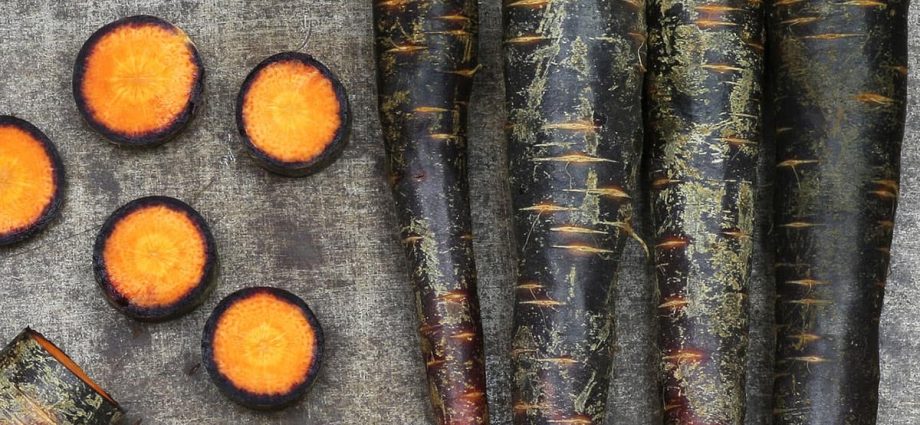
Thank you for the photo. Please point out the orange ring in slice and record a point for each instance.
(293, 114)
(154, 258)
(31, 180)
(137, 80)
(262, 347)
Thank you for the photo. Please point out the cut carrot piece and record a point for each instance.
(67, 362)
(293, 114)
(137, 80)
(31, 180)
(40, 384)
(262, 347)
(154, 258)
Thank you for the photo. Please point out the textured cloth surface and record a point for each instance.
(329, 238)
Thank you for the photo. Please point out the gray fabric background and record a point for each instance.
(328, 238)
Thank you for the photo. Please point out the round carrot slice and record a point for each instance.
(137, 80)
(262, 347)
(154, 258)
(31, 180)
(293, 114)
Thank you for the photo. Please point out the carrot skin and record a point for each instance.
(703, 103)
(39, 384)
(839, 82)
(426, 59)
(573, 81)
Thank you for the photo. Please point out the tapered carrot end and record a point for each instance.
(154, 259)
(138, 80)
(31, 180)
(293, 114)
(262, 347)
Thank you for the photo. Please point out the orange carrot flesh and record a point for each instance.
(291, 111)
(137, 79)
(155, 256)
(26, 179)
(262, 347)
(30, 179)
(264, 344)
(293, 115)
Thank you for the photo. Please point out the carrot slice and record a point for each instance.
(137, 80)
(293, 114)
(31, 180)
(262, 347)
(154, 258)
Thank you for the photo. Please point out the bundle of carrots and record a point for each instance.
(574, 72)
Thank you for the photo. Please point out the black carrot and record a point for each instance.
(839, 84)
(426, 59)
(703, 121)
(573, 84)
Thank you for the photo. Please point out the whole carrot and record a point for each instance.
(573, 84)
(426, 58)
(839, 79)
(703, 118)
